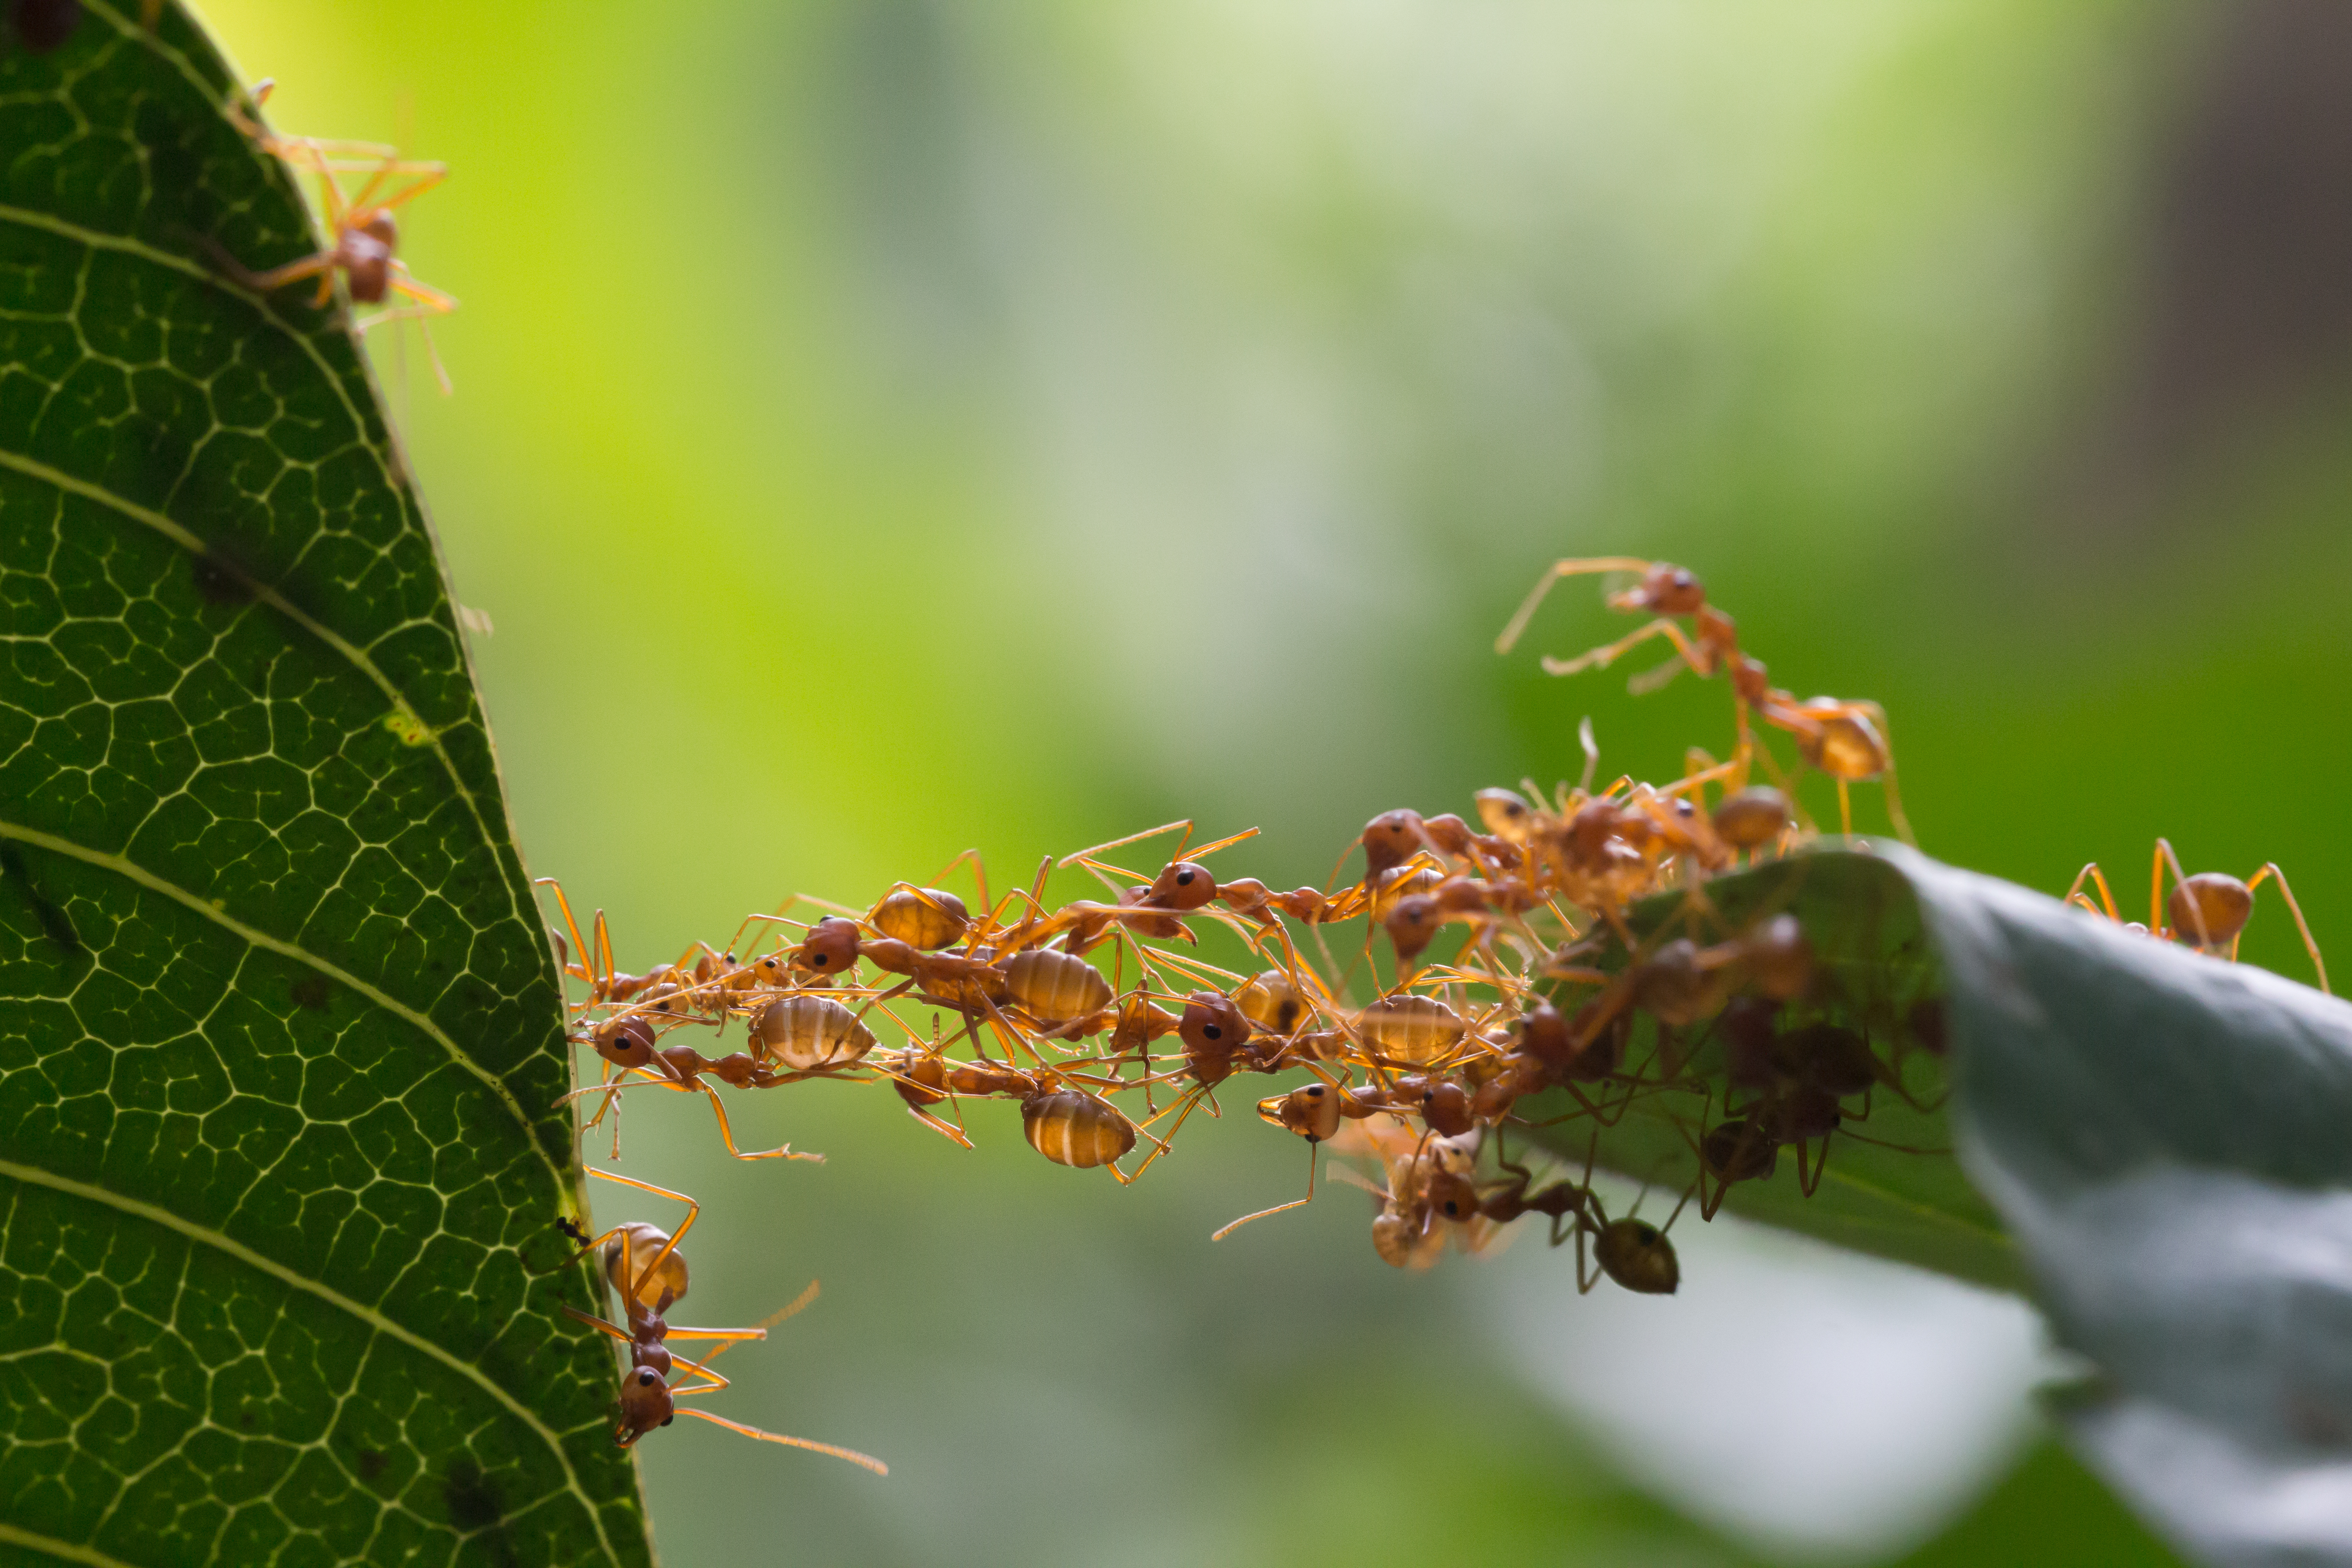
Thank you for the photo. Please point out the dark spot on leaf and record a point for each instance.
(473, 1503)
(246, 1419)
(372, 1464)
(55, 925)
(44, 25)
(312, 991)
(218, 580)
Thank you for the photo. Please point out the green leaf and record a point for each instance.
(1874, 966)
(2161, 1142)
(2165, 1135)
(280, 1037)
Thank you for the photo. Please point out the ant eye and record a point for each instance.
(667, 1419)
(1315, 1091)
(646, 1379)
(1212, 1031)
(1183, 878)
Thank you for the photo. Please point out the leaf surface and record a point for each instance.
(2163, 1146)
(280, 1038)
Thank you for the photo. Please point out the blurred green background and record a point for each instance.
(889, 427)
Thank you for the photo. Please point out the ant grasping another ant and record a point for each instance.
(645, 1268)
(2208, 911)
(366, 234)
(1847, 741)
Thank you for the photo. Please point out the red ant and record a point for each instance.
(366, 232)
(1847, 741)
(645, 1266)
(2208, 911)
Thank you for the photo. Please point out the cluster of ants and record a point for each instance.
(1101, 1021)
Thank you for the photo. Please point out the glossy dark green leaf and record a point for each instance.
(2169, 1138)
(2163, 1143)
(279, 1038)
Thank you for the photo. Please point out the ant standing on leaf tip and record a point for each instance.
(364, 228)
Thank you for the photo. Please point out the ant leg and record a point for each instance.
(432, 174)
(1601, 657)
(2099, 878)
(2165, 857)
(1074, 858)
(1220, 1235)
(1845, 810)
(319, 266)
(581, 971)
(2270, 869)
(1205, 850)
(852, 1455)
(600, 1325)
(1561, 569)
(726, 1136)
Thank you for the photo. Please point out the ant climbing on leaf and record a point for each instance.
(2208, 911)
(645, 1268)
(366, 232)
(1846, 739)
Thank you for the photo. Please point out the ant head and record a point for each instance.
(625, 1042)
(1451, 1196)
(1752, 818)
(1445, 1109)
(1311, 1110)
(382, 228)
(1182, 885)
(1212, 1024)
(831, 947)
(1389, 840)
(645, 1404)
(1670, 590)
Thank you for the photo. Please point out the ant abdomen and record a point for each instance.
(921, 917)
(1075, 1130)
(806, 1032)
(1271, 1001)
(1638, 1255)
(2210, 909)
(1054, 987)
(1410, 1029)
(1752, 818)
